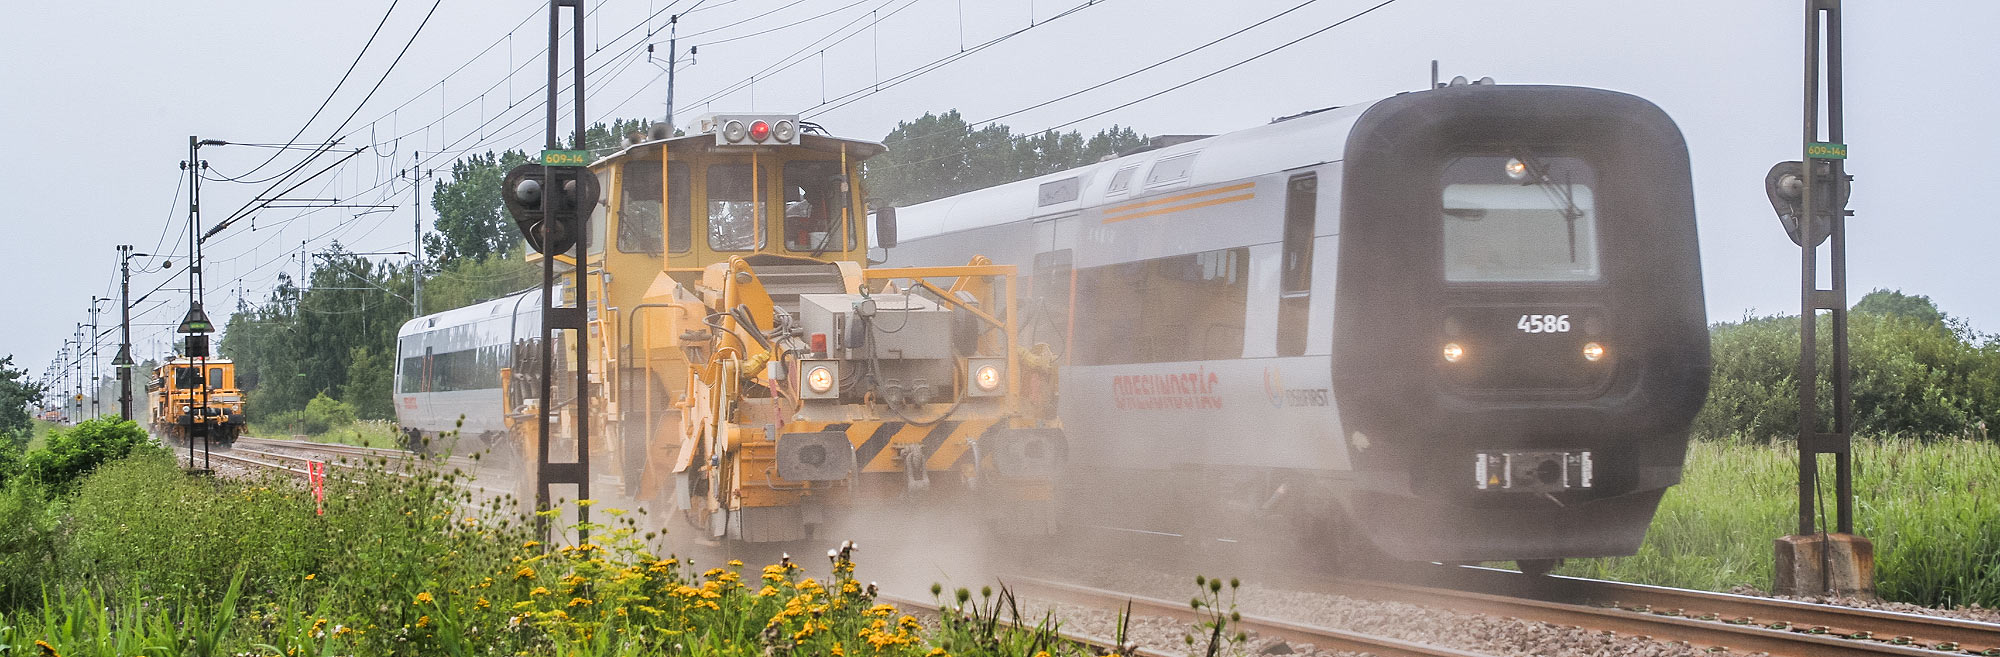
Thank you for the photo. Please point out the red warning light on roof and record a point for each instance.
(760, 130)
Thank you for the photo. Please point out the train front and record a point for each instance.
(1520, 343)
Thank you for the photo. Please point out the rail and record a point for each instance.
(1851, 623)
(1699, 630)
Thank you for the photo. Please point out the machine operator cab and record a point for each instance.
(743, 184)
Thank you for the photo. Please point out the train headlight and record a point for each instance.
(1517, 169)
(784, 131)
(1593, 352)
(760, 130)
(733, 131)
(1453, 353)
(822, 379)
(988, 377)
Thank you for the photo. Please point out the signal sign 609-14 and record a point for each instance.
(1543, 324)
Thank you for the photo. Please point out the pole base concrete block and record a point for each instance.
(1825, 565)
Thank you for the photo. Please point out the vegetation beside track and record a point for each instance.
(1932, 510)
(143, 559)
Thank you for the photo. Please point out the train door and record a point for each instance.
(1051, 291)
(1295, 266)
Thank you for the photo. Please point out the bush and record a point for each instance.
(73, 452)
(320, 415)
(1915, 372)
(27, 548)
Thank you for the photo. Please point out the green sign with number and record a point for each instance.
(566, 158)
(1821, 150)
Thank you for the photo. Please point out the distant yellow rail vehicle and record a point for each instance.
(185, 393)
(748, 368)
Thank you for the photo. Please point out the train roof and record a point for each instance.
(858, 149)
(1298, 141)
(502, 306)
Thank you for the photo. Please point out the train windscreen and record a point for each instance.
(1519, 219)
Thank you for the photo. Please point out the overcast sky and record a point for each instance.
(102, 96)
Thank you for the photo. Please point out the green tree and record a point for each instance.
(17, 391)
(1884, 302)
(939, 155)
(471, 223)
(369, 372)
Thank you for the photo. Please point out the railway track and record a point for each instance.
(1703, 620)
(245, 453)
(1324, 638)
(1937, 633)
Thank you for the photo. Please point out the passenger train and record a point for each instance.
(449, 367)
(1466, 323)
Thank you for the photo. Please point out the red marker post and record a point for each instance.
(316, 478)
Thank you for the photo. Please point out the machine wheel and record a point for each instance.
(1537, 567)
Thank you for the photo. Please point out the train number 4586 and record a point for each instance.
(1543, 324)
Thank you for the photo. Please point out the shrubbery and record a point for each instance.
(320, 415)
(1916, 372)
(73, 452)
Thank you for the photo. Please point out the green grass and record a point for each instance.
(40, 435)
(1932, 510)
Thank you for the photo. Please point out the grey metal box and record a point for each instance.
(904, 326)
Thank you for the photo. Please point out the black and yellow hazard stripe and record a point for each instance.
(945, 444)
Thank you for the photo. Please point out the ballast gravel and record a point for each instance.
(1476, 633)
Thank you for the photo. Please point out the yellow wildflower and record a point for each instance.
(524, 573)
(482, 603)
(735, 563)
(937, 652)
(47, 650)
(539, 590)
(530, 545)
(424, 598)
(310, 576)
(585, 502)
(583, 602)
(423, 621)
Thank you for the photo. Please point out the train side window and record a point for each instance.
(1295, 273)
(1170, 170)
(215, 379)
(1049, 310)
(1122, 180)
(413, 368)
(731, 226)
(1177, 308)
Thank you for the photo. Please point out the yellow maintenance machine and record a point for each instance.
(751, 371)
(185, 393)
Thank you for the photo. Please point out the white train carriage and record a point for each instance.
(448, 366)
(1466, 321)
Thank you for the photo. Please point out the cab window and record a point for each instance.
(813, 205)
(639, 208)
(732, 225)
(598, 215)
